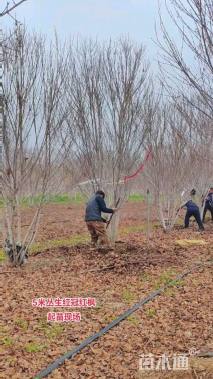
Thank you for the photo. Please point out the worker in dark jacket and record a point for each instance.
(208, 204)
(192, 210)
(95, 223)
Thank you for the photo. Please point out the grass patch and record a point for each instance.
(167, 279)
(156, 225)
(142, 228)
(22, 324)
(64, 198)
(127, 295)
(54, 331)
(176, 283)
(7, 341)
(3, 256)
(33, 347)
(53, 244)
(136, 197)
(133, 320)
(50, 331)
(145, 277)
(64, 242)
(170, 292)
(151, 312)
(132, 229)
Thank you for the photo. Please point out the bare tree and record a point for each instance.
(109, 96)
(176, 166)
(187, 67)
(186, 70)
(33, 113)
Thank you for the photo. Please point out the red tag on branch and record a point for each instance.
(141, 167)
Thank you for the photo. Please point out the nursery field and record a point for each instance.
(62, 265)
(116, 97)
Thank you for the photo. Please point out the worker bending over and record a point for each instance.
(95, 222)
(192, 209)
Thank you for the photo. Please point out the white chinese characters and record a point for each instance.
(164, 362)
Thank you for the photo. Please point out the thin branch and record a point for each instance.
(9, 8)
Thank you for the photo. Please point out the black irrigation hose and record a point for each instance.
(70, 354)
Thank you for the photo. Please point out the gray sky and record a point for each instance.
(100, 19)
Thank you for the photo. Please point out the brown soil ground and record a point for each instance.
(58, 221)
(178, 320)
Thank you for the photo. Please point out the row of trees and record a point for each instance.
(94, 109)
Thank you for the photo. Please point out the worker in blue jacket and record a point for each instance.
(94, 220)
(192, 209)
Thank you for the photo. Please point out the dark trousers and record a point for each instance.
(207, 208)
(196, 214)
